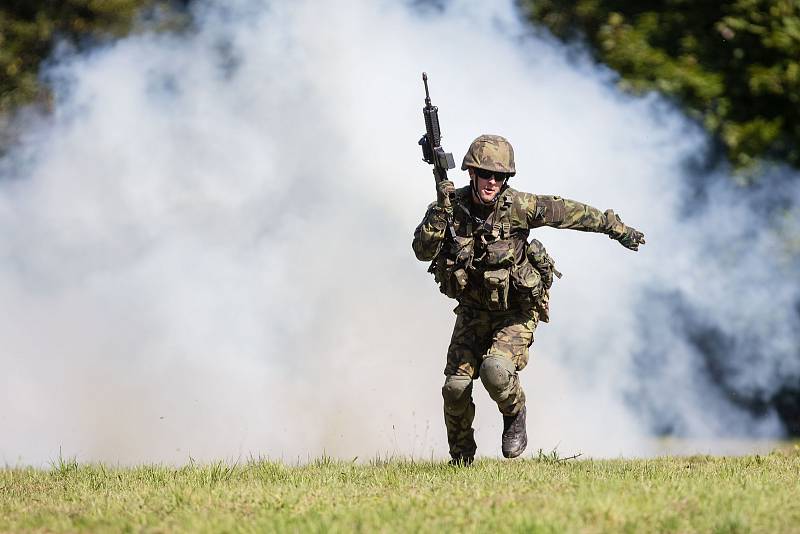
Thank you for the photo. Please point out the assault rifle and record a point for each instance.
(431, 142)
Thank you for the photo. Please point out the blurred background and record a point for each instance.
(207, 211)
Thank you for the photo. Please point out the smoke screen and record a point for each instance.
(207, 247)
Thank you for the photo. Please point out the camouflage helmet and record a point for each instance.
(490, 152)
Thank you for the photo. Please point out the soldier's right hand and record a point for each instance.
(444, 190)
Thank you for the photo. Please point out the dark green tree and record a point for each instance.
(733, 64)
(29, 29)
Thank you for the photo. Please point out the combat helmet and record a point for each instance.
(490, 152)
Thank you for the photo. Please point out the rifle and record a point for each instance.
(432, 151)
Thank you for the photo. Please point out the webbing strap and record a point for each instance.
(502, 225)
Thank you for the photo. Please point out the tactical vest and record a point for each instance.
(487, 265)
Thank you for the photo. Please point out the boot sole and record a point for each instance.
(517, 452)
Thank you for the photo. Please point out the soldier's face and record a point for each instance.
(488, 188)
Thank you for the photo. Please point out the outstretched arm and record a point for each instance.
(557, 212)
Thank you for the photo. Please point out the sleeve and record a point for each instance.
(557, 212)
(429, 234)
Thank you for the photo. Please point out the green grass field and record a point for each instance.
(672, 494)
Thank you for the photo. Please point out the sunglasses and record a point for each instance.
(484, 174)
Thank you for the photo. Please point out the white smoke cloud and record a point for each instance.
(728, 311)
(207, 249)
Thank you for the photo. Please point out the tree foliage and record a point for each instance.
(29, 29)
(734, 64)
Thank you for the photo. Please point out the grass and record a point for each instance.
(540, 494)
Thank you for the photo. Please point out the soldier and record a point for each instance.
(477, 240)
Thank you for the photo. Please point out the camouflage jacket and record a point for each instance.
(484, 262)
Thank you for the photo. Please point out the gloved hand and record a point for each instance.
(628, 237)
(444, 189)
(632, 238)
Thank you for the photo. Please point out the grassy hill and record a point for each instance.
(538, 494)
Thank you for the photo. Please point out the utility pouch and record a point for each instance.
(495, 289)
(451, 278)
(461, 249)
(542, 262)
(543, 306)
(500, 253)
(544, 265)
(527, 283)
(449, 269)
(458, 281)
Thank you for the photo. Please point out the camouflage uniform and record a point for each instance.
(481, 257)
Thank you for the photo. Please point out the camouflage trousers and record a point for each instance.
(490, 345)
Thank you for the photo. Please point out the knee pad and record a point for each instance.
(496, 374)
(456, 389)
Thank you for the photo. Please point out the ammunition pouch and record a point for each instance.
(449, 268)
(544, 265)
(542, 306)
(500, 253)
(495, 289)
(527, 283)
(542, 262)
(451, 280)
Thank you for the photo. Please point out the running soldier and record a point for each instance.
(476, 239)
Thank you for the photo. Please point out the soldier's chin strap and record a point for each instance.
(474, 184)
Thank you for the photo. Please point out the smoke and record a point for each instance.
(728, 318)
(206, 249)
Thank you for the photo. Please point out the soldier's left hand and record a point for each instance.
(632, 238)
(629, 237)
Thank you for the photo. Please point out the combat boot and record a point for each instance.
(515, 439)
